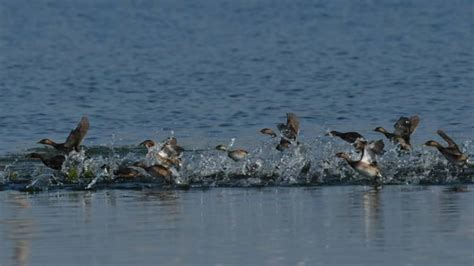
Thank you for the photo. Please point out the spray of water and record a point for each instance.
(310, 163)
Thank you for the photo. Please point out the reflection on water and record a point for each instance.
(21, 252)
(354, 225)
(373, 218)
(449, 212)
(19, 228)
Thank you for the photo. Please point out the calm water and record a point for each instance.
(209, 71)
(273, 226)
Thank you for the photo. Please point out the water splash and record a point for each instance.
(310, 163)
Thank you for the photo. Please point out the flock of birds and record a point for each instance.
(164, 160)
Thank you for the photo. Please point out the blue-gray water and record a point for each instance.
(218, 69)
(210, 71)
(271, 226)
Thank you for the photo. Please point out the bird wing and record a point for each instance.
(449, 140)
(178, 149)
(292, 127)
(452, 151)
(77, 135)
(405, 126)
(414, 122)
(367, 156)
(370, 151)
(56, 162)
(402, 127)
(377, 147)
(350, 137)
(281, 127)
(172, 151)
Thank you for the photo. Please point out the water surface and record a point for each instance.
(216, 70)
(211, 71)
(399, 225)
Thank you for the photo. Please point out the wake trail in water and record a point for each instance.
(308, 164)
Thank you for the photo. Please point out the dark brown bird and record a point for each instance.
(156, 170)
(148, 144)
(291, 129)
(283, 145)
(452, 152)
(404, 127)
(74, 139)
(127, 172)
(235, 155)
(269, 132)
(350, 137)
(55, 162)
